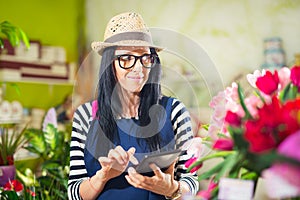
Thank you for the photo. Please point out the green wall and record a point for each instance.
(53, 22)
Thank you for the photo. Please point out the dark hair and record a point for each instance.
(107, 83)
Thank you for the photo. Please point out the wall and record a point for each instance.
(231, 31)
(55, 22)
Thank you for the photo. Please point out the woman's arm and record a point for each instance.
(182, 127)
(79, 184)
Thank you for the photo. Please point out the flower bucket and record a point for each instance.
(7, 172)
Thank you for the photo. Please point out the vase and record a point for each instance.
(7, 173)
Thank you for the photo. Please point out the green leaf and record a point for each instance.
(228, 163)
(24, 38)
(205, 126)
(257, 92)
(36, 142)
(18, 139)
(9, 195)
(259, 162)
(239, 140)
(16, 87)
(211, 172)
(249, 176)
(241, 97)
(51, 136)
(1, 44)
(11, 141)
(10, 36)
(215, 155)
(289, 92)
(14, 34)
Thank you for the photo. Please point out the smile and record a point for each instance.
(135, 77)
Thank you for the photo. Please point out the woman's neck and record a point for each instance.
(130, 104)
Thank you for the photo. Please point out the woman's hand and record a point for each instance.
(161, 183)
(116, 162)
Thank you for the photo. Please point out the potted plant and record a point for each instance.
(14, 35)
(11, 140)
(52, 147)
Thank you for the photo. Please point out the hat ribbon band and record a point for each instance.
(129, 36)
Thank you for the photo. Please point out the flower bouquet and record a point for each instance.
(257, 133)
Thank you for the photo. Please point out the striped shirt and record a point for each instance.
(82, 119)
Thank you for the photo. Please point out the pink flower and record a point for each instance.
(284, 77)
(290, 147)
(252, 78)
(217, 100)
(268, 83)
(253, 103)
(284, 173)
(50, 118)
(221, 103)
(194, 147)
(231, 93)
(213, 130)
(206, 194)
(190, 162)
(223, 144)
(295, 76)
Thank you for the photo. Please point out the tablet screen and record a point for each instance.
(162, 160)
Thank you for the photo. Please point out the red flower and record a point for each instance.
(32, 193)
(295, 76)
(223, 144)
(190, 162)
(13, 185)
(268, 83)
(233, 118)
(275, 122)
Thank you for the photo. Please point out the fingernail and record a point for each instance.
(133, 160)
(131, 170)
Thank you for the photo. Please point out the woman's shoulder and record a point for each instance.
(173, 100)
(85, 109)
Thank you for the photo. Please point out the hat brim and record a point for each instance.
(100, 46)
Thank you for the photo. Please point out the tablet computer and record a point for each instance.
(162, 160)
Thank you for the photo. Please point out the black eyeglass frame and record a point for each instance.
(118, 57)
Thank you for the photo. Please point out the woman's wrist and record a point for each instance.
(101, 177)
(176, 192)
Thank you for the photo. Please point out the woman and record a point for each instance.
(129, 119)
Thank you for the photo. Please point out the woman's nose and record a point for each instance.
(137, 66)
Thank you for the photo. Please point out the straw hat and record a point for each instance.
(125, 29)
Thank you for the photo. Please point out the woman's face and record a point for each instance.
(132, 78)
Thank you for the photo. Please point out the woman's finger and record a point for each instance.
(105, 161)
(136, 179)
(122, 153)
(114, 154)
(156, 170)
(132, 159)
(171, 169)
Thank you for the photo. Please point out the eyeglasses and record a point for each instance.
(127, 61)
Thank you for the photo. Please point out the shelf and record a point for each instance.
(37, 94)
